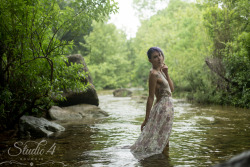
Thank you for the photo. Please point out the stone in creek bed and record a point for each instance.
(88, 96)
(241, 160)
(38, 127)
(76, 112)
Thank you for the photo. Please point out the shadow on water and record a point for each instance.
(156, 161)
(201, 136)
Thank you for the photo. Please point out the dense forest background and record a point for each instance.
(206, 47)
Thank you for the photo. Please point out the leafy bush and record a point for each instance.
(32, 52)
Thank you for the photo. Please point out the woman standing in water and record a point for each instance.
(157, 125)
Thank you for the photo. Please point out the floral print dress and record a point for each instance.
(155, 134)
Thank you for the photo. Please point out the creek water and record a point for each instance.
(201, 136)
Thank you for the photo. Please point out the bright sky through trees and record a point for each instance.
(126, 18)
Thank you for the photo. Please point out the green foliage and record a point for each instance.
(32, 52)
(190, 34)
(228, 26)
(180, 33)
(98, 9)
(146, 8)
(107, 56)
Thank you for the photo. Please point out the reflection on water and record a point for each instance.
(201, 136)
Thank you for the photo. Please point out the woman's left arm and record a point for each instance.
(170, 82)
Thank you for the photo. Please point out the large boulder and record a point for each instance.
(78, 59)
(241, 160)
(88, 96)
(122, 93)
(38, 127)
(77, 112)
(57, 113)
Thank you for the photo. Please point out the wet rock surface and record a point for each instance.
(241, 160)
(30, 126)
(77, 112)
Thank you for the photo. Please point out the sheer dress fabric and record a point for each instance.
(155, 134)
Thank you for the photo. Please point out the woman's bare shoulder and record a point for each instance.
(153, 73)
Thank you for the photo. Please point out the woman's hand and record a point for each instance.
(143, 124)
(164, 68)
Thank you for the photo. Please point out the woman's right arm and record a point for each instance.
(151, 84)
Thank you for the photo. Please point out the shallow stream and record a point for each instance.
(201, 136)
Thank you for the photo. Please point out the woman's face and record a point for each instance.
(156, 59)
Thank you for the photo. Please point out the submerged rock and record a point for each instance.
(77, 112)
(241, 160)
(122, 93)
(38, 127)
